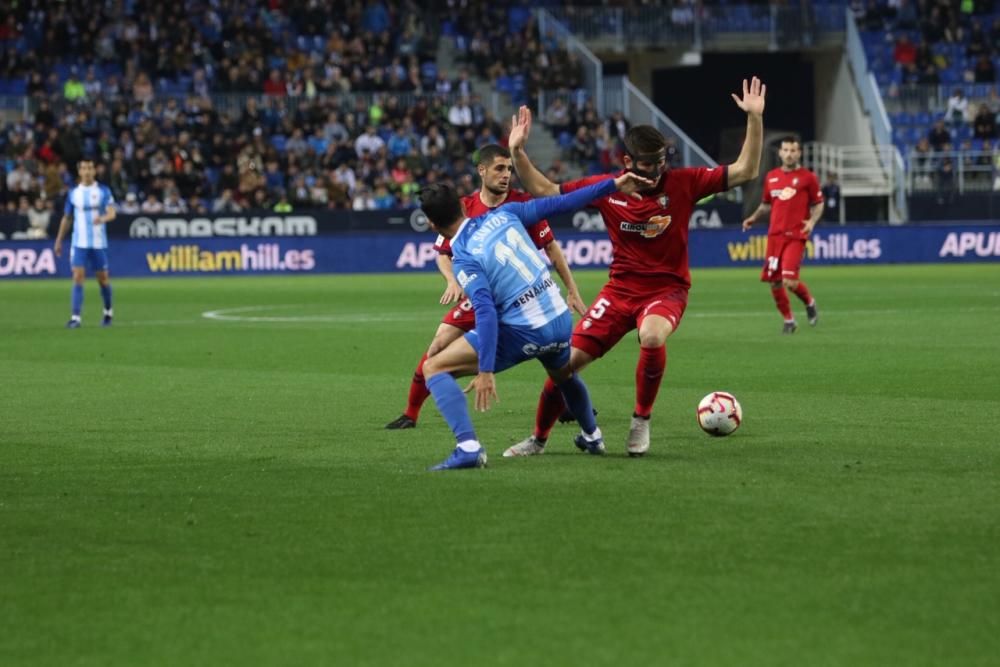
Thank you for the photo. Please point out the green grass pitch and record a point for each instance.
(182, 489)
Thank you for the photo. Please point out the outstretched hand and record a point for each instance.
(753, 97)
(485, 387)
(628, 183)
(520, 128)
(452, 293)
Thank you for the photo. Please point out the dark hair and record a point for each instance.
(490, 152)
(790, 139)
(643, 141)
(441, 204)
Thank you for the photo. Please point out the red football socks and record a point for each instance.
(781, 300)
(648, 375)
(550, 406)
(418, 391)
(803, 293)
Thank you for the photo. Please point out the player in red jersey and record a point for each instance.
(793, 197)
(649, 277)
(495, 172)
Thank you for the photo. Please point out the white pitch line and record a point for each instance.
(236, 314)
(233, 315)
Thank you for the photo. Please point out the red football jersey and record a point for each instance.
(649, 236)
(540, 232)
(790, 194)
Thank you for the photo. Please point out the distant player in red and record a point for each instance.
(649, 274)
(495, 172)
(793, 197)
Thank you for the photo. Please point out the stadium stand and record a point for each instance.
(218, 106)
(936, 66)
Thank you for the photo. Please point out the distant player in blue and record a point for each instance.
(520, 313)
(89, 207)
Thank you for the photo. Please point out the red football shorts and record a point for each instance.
(784, 258)
(462, 316)
(619, 309)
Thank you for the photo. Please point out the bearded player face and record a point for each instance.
(496, 175)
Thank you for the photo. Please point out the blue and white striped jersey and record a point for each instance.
(500, 271)
(84, 203)
(495, 248)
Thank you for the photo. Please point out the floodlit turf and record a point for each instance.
(179, 490)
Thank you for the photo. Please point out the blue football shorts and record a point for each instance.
(95, 259)
(549, 344)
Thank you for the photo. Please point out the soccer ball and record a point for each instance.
(719, 413)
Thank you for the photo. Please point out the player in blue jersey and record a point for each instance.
(89, 207)
(520, 313)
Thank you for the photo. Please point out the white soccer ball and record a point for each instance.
(719, 413)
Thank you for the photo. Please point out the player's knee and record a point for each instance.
(431, 368)
(790, 283)
(578, 360)
(653, 338)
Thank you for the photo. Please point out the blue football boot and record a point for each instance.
(462, 459)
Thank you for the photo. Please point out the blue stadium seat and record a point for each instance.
(517, 18)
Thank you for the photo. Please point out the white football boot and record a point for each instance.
(530, 446)
(638, 437)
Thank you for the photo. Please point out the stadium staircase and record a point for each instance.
(542, 146)
(862, 171)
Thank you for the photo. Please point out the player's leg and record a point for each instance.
(771, 273)
(77, 260)
(791, 264)
(572, 392)
(577, 397)
(604, 325)
(443, 337)
(104, 280)
(440, 371)
(657, 321)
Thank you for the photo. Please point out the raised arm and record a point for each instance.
(533, 180)
(747, 165)
(532, 211)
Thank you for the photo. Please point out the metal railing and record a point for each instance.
(235, 103)
(621, 95)
(679, 25)
(933, 98)
(593, 69)
(871, 101)
(861, 171)
(953, 171)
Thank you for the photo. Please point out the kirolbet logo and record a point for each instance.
(262, 257)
